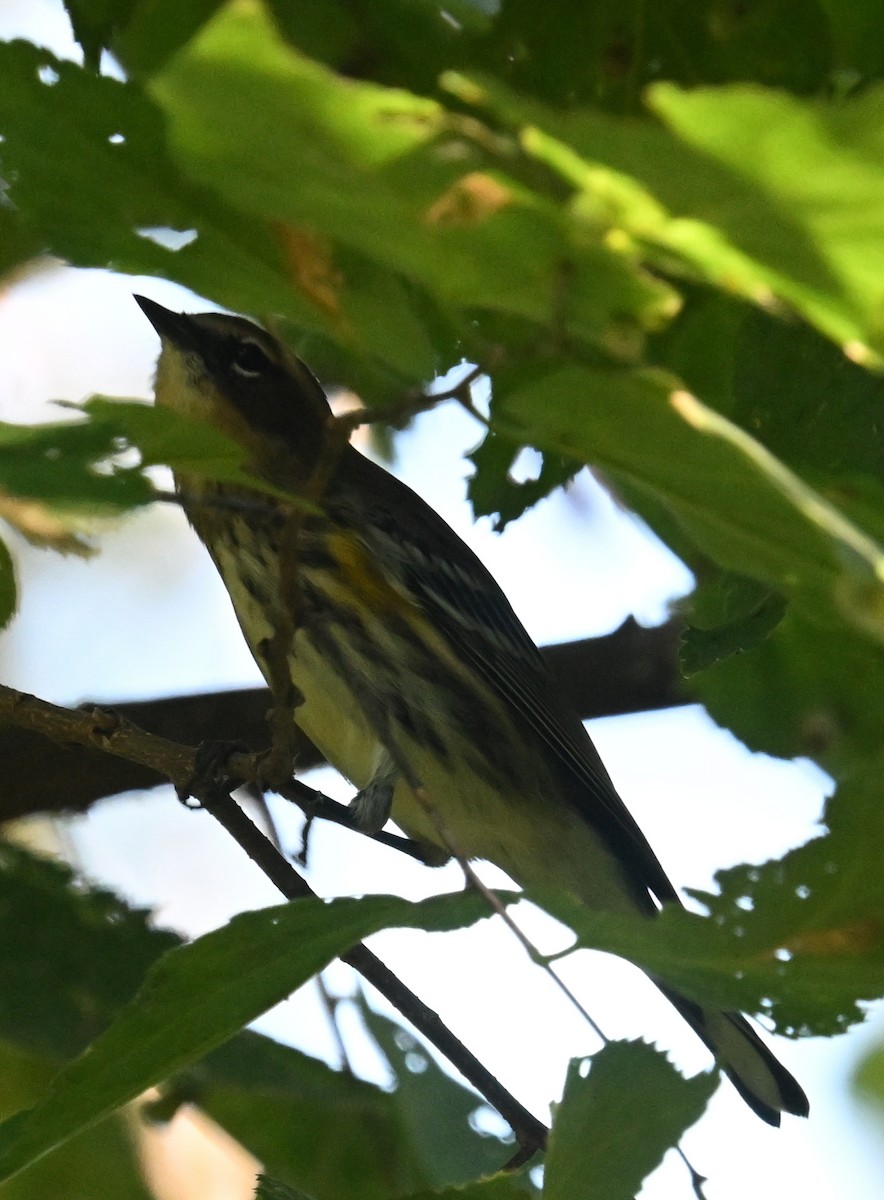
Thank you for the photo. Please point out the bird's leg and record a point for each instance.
(278, 763)
(372, 805)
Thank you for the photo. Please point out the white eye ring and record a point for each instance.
(249, 360)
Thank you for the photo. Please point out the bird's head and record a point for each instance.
(233, 375)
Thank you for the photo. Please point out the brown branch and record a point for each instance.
(631, 670)
(634, 669)
(399, 413)
(112, 734)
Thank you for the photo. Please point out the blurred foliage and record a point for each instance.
(868, 1080)
(659, 230)
(100, 1162)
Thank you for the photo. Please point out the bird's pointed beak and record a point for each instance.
(177, 328)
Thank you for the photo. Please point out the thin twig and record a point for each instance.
(697, 1180)
(326, 999)
(494, 903)
(316, 804)
(330, 1007)
(401, 411)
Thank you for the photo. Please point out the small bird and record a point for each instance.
(414, 676)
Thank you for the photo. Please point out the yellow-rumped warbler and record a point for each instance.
(418, 682)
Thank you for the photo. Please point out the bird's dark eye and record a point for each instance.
(249, 359)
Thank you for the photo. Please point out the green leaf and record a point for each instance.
(377, 175)
(164, 437)
(757, 193)
(856, 35)
(508, 1185)
(740, 505)
(338, 131)
(700, 347)
(808, 403)
(153, 32)
(193, 448)
(804, 691)
(615, 1124)
(253, 962)
(69, 465)
(93, 21)
(728, 614)
(868, 1077)
(332, 1135)
(275, 1189)
(435, 1110)
(8, 586)
(70, 955)
(100, 1163)
(798, 940)
(18, 244)
(406, 43)
(88, 169)
(493, 490)
(818, 167)
(313, 1128)
(75, 465)
(608, 52)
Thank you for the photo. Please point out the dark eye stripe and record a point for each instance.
(249, 359)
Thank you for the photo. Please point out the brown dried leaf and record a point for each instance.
(309, 260)
(44, 526)
(860, 937)
(468, 201)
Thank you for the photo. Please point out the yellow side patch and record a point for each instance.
(365, 578)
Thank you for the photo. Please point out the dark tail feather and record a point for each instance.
(762, 1081)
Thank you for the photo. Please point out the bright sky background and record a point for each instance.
(149, 617)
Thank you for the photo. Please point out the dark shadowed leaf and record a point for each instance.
(494, 491)
(804, 690)
(254, 962)
(8, 587)
(437, 1112)
(70, 956)
(515, 1185)
(274, 1189)
(808, 403)
(727, 614)
(615, 1123)
(313, 1127)
(796, 940)
(101, 1163)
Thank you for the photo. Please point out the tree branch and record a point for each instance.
(631, 670)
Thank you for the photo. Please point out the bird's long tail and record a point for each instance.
(762, 1081)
